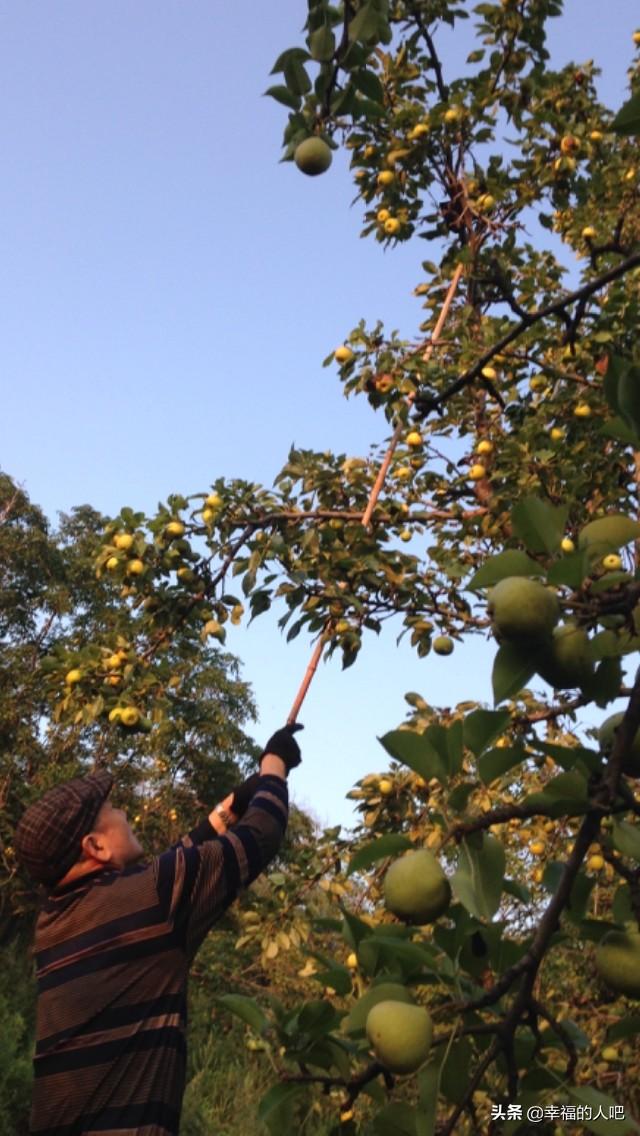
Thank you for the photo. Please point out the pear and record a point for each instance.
(523, 610)
(565, 662)
(416, 889)
(400, 1035)
(356, 1019)
(313, 156)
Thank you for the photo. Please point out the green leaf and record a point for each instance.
(416, 751)
(397, 1119)
(245, 1008)
(367, 24)
(539, 525)
(567, 792)
(568, 756)
(482, 727)
(621, 908)
(608, 534)
(626, 839)
(276, 1107)
(629, 397)
(428, 1092)
(570, 570)
(604, 686)
(610, 381)
(627, 120)
(477, 881)
(628, 1027)
(322, 44)
(499, 761)
(283, 95)
(389, 845)
(598, 1101)
(513, 666)
(296, 77)
(370, 85)
(509, 563)
(291, 53)
(318, 1018)
(455, 1071)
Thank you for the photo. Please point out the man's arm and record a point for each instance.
(198, 878)
(222, 816)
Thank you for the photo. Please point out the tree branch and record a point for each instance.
(558, 307)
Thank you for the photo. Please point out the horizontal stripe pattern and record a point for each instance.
(112, 957)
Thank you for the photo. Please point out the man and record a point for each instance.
(115, 938)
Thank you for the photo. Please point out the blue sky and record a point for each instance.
(171, 290)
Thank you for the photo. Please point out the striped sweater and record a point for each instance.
(113, 952)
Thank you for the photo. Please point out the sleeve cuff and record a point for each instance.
(203, 832)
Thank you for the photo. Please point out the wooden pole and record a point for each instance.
(373, 497)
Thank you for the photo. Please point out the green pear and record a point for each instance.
(416, 889)
(313, 156)
(356, 1019)
(565, 661)
(522, 610)
(400, 1035)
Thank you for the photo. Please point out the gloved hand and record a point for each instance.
(242, 795)
(284, 745)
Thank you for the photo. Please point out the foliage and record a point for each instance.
(514, 456)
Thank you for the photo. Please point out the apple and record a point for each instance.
(73, 676)
(343, 354)
(392, 226)
(135, 567)
(484, 447)
(386, 178)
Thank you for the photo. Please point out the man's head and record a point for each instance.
(74, 826)
(111, 841)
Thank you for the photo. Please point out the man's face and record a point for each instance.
(117, 843)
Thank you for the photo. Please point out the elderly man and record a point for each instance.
(116, 935)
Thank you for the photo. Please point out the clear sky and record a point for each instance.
(170, 291)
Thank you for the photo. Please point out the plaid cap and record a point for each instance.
(48, 839)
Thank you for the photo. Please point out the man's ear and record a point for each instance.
(94, 847)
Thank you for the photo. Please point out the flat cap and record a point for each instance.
(48, 839)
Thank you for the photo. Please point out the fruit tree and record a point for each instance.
(488, 902)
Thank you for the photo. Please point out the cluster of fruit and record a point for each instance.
(400, 1032)
(525, 612)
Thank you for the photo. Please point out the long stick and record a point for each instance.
(373, 497)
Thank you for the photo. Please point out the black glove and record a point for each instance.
(242, 795)
(284, 745)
